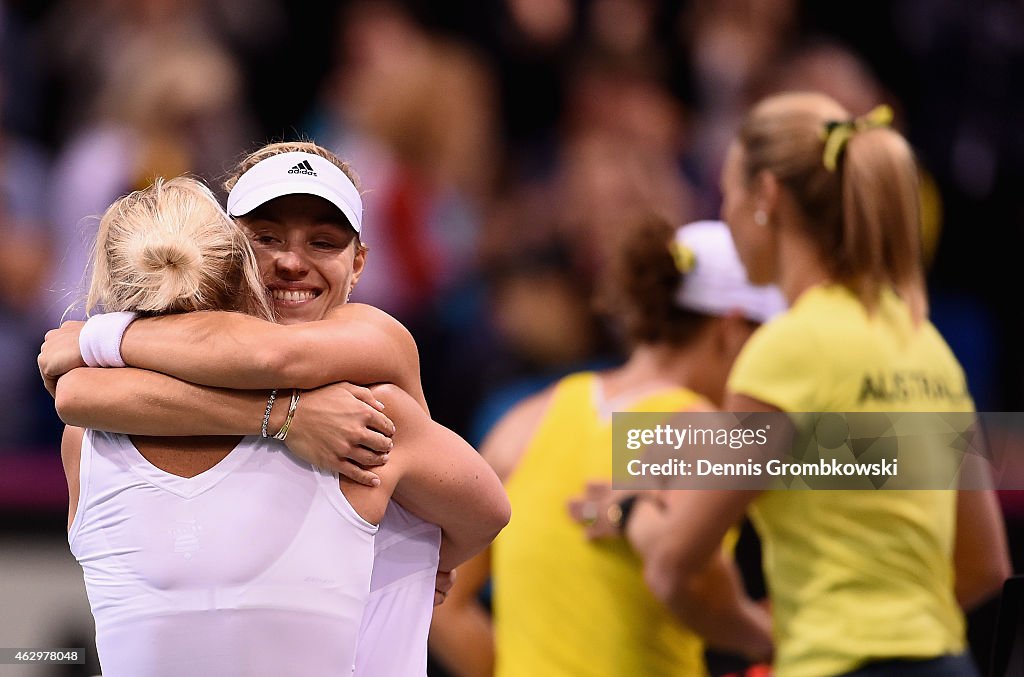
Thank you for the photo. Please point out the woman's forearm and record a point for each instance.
(357, 343)
(680, 543)
(712, 603)
(335, 428)
(444, 480)
(140, 402)
(981, 555)
(461, 633)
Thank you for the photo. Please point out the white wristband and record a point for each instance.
(100, 339)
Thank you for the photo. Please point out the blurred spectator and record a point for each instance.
(88, 42)
(624, 27)
(620, 154)
(606, 181)
(533, 42)
(825, 67)
(171, 106)
(730, 41)
(551, 234)
(24, 264)
(415, 115)
(526, 317)
(624, 97)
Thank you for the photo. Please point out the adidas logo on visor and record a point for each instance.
(303, 168)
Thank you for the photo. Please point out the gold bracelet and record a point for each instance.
(292, 406)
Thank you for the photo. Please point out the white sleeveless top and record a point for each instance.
(396, 622)
(257, 566)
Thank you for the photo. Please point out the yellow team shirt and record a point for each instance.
(855, 576)
(564, 605)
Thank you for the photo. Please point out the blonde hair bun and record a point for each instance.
(168, 267)
(171, 248)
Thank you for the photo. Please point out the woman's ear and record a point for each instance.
(766, 193)
(359, 262)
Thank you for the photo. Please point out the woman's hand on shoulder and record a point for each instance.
(342, 427)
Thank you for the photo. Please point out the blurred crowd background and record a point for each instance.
(501, 145)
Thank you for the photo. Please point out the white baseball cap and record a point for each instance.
(714, 279)
(296, 173)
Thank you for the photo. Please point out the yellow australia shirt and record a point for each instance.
(564, 606)
(855, 576)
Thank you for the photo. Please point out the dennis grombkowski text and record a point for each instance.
(774, 468)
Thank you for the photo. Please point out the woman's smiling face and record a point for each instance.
(308, 253)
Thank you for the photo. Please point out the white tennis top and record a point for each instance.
(257, 566)
(393, 636)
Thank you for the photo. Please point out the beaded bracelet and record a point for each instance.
(266, 414)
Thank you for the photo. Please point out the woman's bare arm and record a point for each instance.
(440, 478)
(140, 402)
(335, 427)
(355, 343)
(679, 540)
(686, 569)
(461, 632)
(981, 556)
(71, 456)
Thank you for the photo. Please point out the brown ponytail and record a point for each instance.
(863, 217)
(640, 289)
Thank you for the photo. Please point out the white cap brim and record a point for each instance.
(278, 176)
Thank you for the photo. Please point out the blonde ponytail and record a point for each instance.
(881, 218)
(859, 197)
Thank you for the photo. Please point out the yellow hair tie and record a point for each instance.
(683, 256)
(837, 134)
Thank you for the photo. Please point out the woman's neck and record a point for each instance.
(799, 266)
(653, 366)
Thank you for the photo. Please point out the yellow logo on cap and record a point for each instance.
(684, 257)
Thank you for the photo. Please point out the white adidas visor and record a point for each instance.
(717, 284)
(296, 174)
